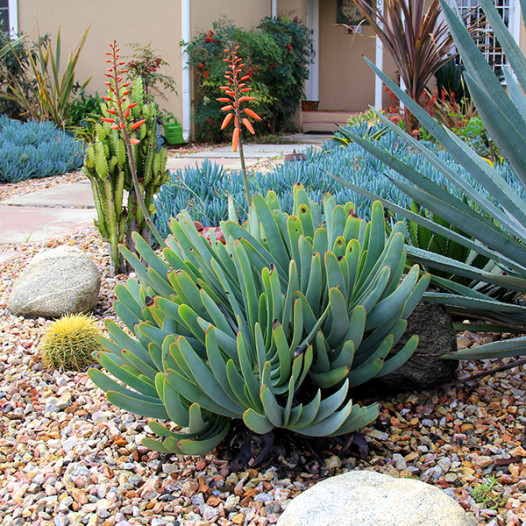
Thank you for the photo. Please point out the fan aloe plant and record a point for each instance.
(273, 327)
(495, 226)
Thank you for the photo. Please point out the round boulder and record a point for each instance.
(367, 498)
(60, 281)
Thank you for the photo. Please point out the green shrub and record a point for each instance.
(15, 62)
(274, 327)
(277, 52)
(36, 149)
(36, 83)
(70, 342)
(85, 111)
(145, 63)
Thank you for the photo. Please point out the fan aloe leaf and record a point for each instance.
(260, 328)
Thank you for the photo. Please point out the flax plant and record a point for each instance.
(51, 91)
(417, 40)
(236, 92)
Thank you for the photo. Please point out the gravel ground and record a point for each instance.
(68, 457)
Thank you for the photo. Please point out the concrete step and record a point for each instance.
(324, 121)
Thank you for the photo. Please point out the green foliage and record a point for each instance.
(274, 327)
(486, 494)
(277, 53)
(42, 91)
(367, 117)
(84, 106)
(449, 79)
(106, 165)
(473, 132)
(85, 112)
(495, 228)
(36, 149)
(70, 342)
(14, 61)
(145, 63)
(421, 237)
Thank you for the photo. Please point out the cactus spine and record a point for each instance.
(69, 343)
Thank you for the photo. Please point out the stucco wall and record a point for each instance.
(293, 9)
(244, 13)
(157, 22)
(346, 82)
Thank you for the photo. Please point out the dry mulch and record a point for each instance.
(69, 457)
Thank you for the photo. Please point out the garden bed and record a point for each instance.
(68, 457)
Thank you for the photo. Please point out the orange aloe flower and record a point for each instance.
(117, 99)
(235, 90)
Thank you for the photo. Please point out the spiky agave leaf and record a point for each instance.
(502, 238)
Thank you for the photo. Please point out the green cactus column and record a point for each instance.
(107, 166)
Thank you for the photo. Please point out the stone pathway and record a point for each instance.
(52, 212)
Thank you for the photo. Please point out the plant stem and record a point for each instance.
(244, 170)
(138, 193)
(131, 159)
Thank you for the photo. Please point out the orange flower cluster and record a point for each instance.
(118, 101)
(236, 91)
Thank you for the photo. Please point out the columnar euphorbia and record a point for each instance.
(120, 105)
(236, 92)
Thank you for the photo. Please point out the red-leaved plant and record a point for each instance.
(120, 105)
(236, 92)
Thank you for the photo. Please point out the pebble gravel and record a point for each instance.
(68, 457)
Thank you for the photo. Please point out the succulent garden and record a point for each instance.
(218, 341)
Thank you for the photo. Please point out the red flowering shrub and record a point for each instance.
(278, 51)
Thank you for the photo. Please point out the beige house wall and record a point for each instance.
(346, 83)
(293, 9)
(244, 13)
(157, 22)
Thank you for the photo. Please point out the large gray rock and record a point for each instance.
(367, 498)
(434, 327)
(59, 281)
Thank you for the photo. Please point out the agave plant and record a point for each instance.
(273, 327)
(495, 226)
(421, 237)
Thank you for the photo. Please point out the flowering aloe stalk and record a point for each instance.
(120, 105)
(236, 92)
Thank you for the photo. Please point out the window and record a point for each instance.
(489, 45)
(4, 15)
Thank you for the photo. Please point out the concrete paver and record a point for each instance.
(251, 151)
(74, 195)
(53, 212)
(180, 163)
(26, 224)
